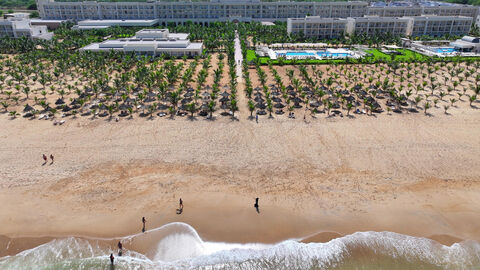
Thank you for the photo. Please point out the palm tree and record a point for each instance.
(445, 107)
(270, 109)
(472, 99)
(233, 107)
(26, 90)
(251, 108)
(452, 101)
(417, 100)
(349, 107)
(174, 99)
(426, 106)
(13, 114)
(110, 110)
(211, 108)
(192, 108)
(5, 105)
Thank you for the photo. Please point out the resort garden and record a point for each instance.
(53, 80)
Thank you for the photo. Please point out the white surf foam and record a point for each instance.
(180, 247)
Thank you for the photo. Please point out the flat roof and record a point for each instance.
(461, 44)
(46, 21)
(87, 27)
(96, 47)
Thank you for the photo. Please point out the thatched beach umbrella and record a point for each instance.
(28, 108)
(59, 102)
(279, 105)
(224, 99)
(65, 108)
(149, 99)
(162, 106)
(261, 106)
(225, 94)
(259, 99)
(124, 106)
(276, 99)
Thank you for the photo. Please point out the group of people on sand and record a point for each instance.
(45, 159)
(179, 211)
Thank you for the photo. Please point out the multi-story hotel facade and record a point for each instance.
(199, 12)
(325, 28)
(242, 10)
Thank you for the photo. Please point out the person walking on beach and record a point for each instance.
(51, 157)
(143, 221)
(256, 118)
(256, 205)
(180, 207)
(120, 248)
(111, 258)
(44, 159)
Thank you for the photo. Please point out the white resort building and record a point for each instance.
(198, 12)
(242, 10)
(152, 42)
(325, 28)
(18, 25)
(467, 44)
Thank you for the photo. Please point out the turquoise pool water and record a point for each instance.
(298, 54)
(445, 50)
(319, 53)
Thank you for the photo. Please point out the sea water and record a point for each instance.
(178, 246)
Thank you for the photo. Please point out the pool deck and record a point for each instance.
(430, 51)
(313, 54)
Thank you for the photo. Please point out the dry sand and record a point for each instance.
(407, 173)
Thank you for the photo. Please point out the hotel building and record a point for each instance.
(18, 25)
(325, 28)
(199, 12)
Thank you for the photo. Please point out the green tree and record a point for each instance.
(251, 108)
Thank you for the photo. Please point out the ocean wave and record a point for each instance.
(178, 246)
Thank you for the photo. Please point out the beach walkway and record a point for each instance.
(238, 57)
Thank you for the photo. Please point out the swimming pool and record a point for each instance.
(322, 54)
(445, 50)
(296, 54)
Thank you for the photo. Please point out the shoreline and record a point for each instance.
(406, 174)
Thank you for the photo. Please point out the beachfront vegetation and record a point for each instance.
(407, 83)
(52, 78)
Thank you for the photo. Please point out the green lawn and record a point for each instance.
(376, 56)
(407, 55)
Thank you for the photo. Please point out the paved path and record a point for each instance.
(238, 57)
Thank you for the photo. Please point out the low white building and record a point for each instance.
(20, 26)
(151, 42)
(101, 24)
(467, 44)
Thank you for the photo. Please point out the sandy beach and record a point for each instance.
(406, 173)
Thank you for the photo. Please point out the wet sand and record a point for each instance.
(408, 173)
